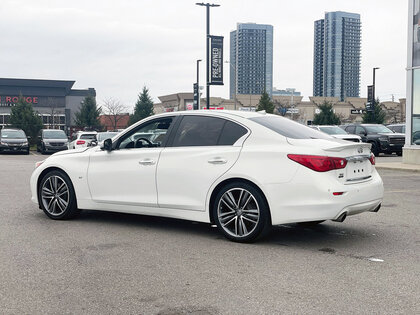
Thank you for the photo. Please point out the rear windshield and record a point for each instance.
(88, 136)
(13, 134)
(333, 130)
(54, 134)
(289, 128)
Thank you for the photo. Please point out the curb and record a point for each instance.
(397, 168)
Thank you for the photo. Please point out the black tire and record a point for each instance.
(244, 217)
(375, 148)
(399, 153)
(310, 223)
(27, 152)
(70, 210)
(43, 150)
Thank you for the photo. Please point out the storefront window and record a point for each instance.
(416, 107)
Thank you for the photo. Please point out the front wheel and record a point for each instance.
(241, 212)
(56, 196)
(399, 153)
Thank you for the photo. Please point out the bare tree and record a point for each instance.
(114, 111)
(54, 113)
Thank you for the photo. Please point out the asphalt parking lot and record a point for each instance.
(102, 263)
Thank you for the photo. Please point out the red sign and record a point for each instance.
(14, 99)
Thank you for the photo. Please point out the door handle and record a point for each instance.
(147, 162)
(217, 160)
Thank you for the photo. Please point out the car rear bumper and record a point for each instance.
(50, 148)
(316, 202)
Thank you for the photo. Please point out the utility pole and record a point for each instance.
(207, 5)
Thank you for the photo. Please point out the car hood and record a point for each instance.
(55, 140)
(392, 135)
(7, 140)
(73, 151)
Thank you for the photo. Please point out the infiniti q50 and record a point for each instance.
(242, 171)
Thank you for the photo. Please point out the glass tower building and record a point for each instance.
(251, 59)
(337, 55)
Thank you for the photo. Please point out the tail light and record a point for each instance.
(319, 163)
(78, 142)
(372, 159)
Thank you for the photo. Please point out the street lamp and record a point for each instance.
(198, 82)
(236, 81)
(207, 5)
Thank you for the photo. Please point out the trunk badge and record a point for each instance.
(360, 150)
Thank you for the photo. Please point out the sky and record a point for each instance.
(117, 47)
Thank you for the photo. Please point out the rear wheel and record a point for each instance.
(56, 196)
(399, 153)
(241, 212)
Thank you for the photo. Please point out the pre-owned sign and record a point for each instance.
(216, 60)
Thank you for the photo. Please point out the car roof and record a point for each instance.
(52, 130)
(225, 113)
(12, 129)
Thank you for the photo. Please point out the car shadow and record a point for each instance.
(328, 234)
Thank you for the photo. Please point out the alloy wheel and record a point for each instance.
(238, 212)
(55, 195)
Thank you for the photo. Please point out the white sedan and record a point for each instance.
(243, 171)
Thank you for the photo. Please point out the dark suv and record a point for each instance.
(383, 140)
(51, 140)
(13, 140)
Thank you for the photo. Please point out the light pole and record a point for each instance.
(207, 5)
(198, 82)
(236, 82)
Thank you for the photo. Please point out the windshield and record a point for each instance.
(54, 134)
(13, 134)
(289, 128)
(88, 136)
(333, 130)
(378, 129)
(106, 135)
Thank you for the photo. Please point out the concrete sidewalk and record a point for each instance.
(398, 166)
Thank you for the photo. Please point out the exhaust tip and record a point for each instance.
(377, 208)
(341, 218)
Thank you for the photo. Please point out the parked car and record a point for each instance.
(82, 139)
(244, 171)
(101, 136)
(398, 128)
(13, 140)
(337, 132)
(383, 140)
(51, 140)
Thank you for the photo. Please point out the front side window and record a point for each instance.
(378, 129)
(148, 135)
(360, 130)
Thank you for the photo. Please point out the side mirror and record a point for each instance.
(107, 145)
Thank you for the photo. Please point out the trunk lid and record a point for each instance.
(358, 168)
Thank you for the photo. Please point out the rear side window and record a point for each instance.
(231, 133)
(198, 131)
(289, 128)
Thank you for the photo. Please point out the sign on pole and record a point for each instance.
(370, 100)
(216, 60)
(196, 96)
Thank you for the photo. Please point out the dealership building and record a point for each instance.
(54, 100)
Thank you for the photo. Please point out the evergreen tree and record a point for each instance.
(143, 107)
(23, 116)
(265, 103)
(88, 114)
(375, 117)
(326, 116)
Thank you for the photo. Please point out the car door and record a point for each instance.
(201, 150)
(127, 174)
(360, 131)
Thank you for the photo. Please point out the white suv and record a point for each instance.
(81, 139)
